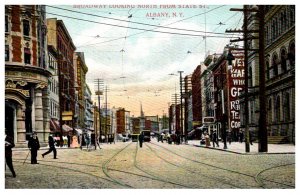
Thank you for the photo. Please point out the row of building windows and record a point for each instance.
(54, 107)
(25, 24)
(277, 65)
(282, 21)
(275, 106)
(53, 86)
(53, 63)
(27, 54)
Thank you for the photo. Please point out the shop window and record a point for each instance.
(27, 55)
(26, 27)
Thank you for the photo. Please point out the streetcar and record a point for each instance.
(135, 137)
(147, 135)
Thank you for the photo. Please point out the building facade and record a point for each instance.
(80, 78)
(58, 36)
(53, 90)
(280, 73)
(26, 73)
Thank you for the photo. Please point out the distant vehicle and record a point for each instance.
(147, 137)
(124, 138)
(135, 137)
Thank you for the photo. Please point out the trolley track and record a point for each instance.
(70, 169)
(151, 176)
(154, 176)
(192, 171)
(105, 170)
(260, 180)
(255, 177)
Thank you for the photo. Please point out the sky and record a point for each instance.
(140, 67)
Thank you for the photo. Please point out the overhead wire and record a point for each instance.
(158, 26)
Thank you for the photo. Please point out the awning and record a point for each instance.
(54, 125)
(66, 128)
(79, 131)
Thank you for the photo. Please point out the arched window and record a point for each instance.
(283, 57)
(291, 54)
(26, 28)
(275, 64)
(277, 109)
(286, 107)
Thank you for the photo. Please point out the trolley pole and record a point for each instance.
(181, 112)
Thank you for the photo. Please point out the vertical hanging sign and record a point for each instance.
(236, 76)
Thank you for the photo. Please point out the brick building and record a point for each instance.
(58, 36)
(26, 73)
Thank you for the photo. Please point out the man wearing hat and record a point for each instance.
(34, 146)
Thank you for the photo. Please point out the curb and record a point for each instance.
(241, 153)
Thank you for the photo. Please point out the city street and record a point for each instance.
(155, 165)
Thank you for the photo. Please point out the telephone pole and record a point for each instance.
(98, 83)
(181, 112)
(262, 132)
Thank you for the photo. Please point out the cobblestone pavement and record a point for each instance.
(155, 165)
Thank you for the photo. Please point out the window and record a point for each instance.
(277, 109)
(6, 53)
(275, 64)
(283, 60)
(291, 54)
(286, 107)
(27, 55)
(6, 23)
(26, 27)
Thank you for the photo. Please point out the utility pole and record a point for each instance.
(246, 49)
(181, 112)
(263, 133)
(106, 138)
(98, 82)
(247, 145)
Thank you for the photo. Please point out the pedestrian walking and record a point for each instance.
(141, 139)
(34, 146)
(241, 136)
(215, 138)
(207, 141)
(229, 137)
(250, 137)
(51, 142)
(9, 144)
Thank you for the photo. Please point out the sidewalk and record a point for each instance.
(239, 148)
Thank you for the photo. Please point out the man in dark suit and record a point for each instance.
(51, 142)
(9, 144)
(34, 146)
